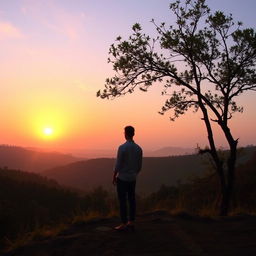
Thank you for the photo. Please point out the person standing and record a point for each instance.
(128, 165)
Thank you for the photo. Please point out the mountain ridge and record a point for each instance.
(156, 171)
(15, 157)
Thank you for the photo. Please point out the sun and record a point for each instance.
(48, 131)
(49, 125)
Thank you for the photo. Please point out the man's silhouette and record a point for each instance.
(128, 165)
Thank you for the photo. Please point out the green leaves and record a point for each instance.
(136, 27)
(221, 22)
(180, 102)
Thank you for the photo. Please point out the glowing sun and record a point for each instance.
(48, 131)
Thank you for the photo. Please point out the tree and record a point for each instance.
(219, 65)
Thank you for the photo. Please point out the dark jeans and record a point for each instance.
(126, 190)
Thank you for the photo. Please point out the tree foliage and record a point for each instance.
(219, 57)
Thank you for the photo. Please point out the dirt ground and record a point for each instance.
(156, 233)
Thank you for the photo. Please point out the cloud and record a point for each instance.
(7, 30)
(24, 10)
(66, 27)
(68, 24)
(85, 86)
(55, 17)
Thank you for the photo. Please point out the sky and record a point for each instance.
(53, 60)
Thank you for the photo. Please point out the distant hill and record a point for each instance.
(111, 153)
(94, 153)
(156, 171)
(170, 151)
(31, 160)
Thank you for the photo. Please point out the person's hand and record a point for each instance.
(114, 180)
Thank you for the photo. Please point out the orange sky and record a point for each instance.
(54, 59)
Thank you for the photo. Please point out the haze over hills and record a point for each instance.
(37, 160)
(156, 171)
(170, 151)
(29, 160)
(110, 153)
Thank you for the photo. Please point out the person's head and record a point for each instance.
(129, 132)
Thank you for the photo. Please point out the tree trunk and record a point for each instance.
(226, 198)
(225, 203)
(227, 191)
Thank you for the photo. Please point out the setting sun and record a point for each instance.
(48, 123)
(48, 131)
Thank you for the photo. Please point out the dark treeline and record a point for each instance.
(201, 195)
(29, 202)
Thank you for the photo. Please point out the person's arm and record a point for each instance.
(140, 161)
(117, 165)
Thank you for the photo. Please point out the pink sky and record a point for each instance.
(54, 59)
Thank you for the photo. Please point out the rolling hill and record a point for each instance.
(31, 160)
(110, 153)
(156, 171)
(170, 151)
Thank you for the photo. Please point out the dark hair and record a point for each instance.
(129, 130)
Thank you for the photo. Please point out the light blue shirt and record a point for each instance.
(129, 161)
